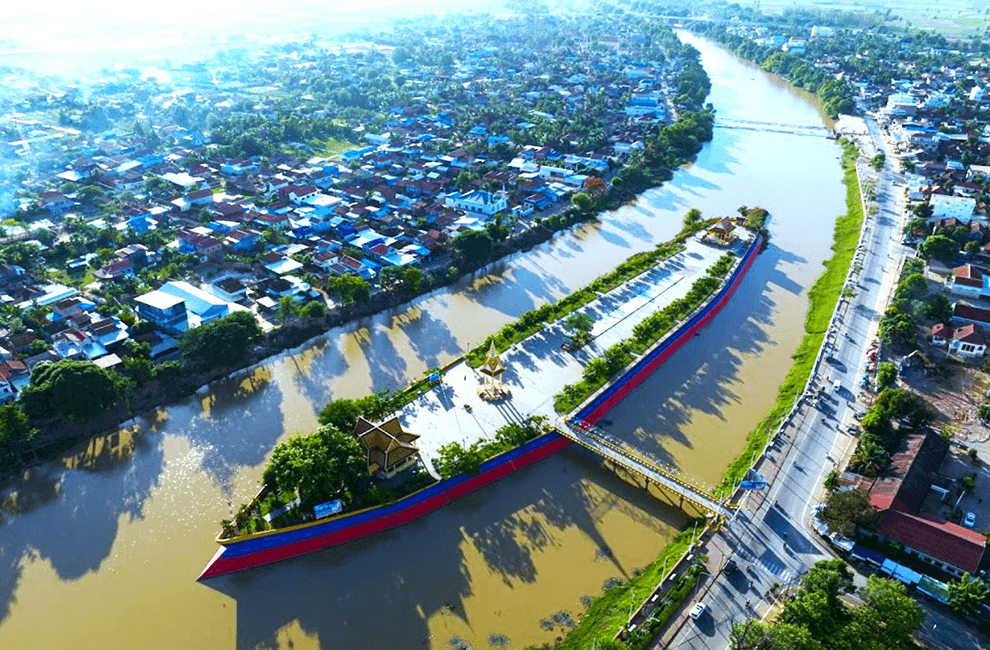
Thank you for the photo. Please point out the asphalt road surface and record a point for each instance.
(771, 537)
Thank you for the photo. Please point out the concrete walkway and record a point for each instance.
(538, 367)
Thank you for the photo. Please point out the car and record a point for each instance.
(730, 566)
(970, 520)
(865, 381)
(697, 611)
(836, 385)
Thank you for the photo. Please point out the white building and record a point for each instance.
(958, 207)
(478, 202)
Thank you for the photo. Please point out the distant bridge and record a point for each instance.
(775, 127)
(621, 455)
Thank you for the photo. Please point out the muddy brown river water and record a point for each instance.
(100, 550)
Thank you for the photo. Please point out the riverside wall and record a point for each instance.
(247, 551)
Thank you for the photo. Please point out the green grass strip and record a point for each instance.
(610, 611)
(824, 295)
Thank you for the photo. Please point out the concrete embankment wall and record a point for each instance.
(262, 548)
(271, 546)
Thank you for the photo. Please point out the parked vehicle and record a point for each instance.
(970, 520)
(836, 386)
(697, 611)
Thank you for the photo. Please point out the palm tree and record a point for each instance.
(870, 458)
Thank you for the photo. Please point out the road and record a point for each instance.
(770, 538)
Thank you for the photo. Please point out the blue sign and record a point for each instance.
(327, 509)
(753, 481)
(434, 378)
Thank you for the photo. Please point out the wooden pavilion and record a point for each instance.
(388, 448)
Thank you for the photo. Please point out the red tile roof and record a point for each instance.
(941, 540)
(968, 312)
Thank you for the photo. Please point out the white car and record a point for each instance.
(970, 520)
(697, 611)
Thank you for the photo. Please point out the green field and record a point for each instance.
(954, 18)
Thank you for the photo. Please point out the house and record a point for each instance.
(963, 313)
(968, 280)
(166, 311)
(968, 341)
(945, 206)
(938, 334)
(387, 447)
(205, 247)
(477, 201)
(899, 494)
(203, 306)
(229, 289)
(15, 374)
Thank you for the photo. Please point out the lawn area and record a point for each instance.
(610, 611)
(332, 147)
(824, 295)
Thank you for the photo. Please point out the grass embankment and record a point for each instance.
(823, 297)
(610, 611)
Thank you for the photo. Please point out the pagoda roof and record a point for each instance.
(386, 444)
(493, 365)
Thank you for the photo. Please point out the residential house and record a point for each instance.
(899, 494)
(166, 311)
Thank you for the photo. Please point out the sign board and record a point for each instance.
(434, 378)
(327, 509)
(753, 481)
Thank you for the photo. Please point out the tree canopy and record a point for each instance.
(968, 594)
(474, 247)
(77, 390)
(223, 342)
(323, 465)
(816, 619)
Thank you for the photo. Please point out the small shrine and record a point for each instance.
(723, 231)
(493, 368)
(387, 446)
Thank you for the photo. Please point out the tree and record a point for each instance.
(967, 595)
(581, 201)
(474, 247)
(313, 309)
(848, 510)
(77, 390)
(938, 247)
(340, 413)
(350, 288)
(15, 434)
(287, 309)
(692, 217)
(886, 375)
(223, 342)
(870, 458)
(579, 325)
(323, 465)
(888, 619)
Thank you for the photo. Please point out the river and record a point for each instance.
(101, 549)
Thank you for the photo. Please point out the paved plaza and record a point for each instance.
(538, 367)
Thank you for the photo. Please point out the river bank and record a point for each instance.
(520, 558)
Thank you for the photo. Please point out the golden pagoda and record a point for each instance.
(493, 368)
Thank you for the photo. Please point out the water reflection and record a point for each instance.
(505, 537)
(82, 502)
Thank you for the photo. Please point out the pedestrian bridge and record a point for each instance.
(817, 131)
(621, 455)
